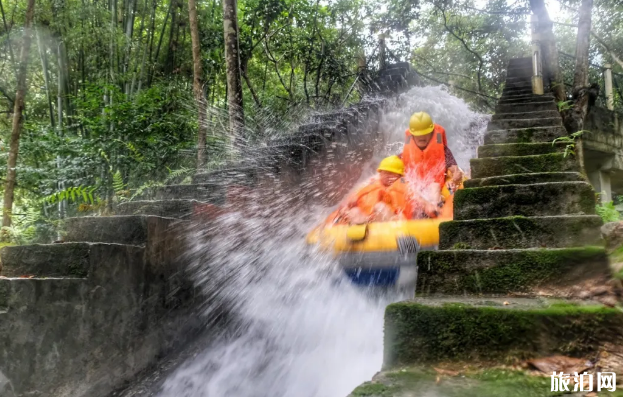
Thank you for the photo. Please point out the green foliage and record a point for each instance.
(564, 105)
(608, 212)
(75, 194)
(570, 141)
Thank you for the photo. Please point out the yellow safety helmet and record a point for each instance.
(392, 164)
(421, 124)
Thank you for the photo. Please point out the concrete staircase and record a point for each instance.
(524, 246)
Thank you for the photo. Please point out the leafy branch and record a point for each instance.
(570, 141)
(83, 194)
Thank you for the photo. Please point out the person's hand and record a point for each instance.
(431, 210)
(457, 176)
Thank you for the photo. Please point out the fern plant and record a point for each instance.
(563, 105)
(608, 212)
(570, 141)
(80, 194)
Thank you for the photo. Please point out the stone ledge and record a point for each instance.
(525, 179)
(511, 165)
(519, 149)
(513, 271)
(524, 135)
(46, 260)
(432, 330)
(525, 107)
(119, 229)
(181, 209)
(210, 193)
(524, 123)
(541, 199)
(522, 232)
(529, 97)
(515, 114)
(472, 380)
(23, 293)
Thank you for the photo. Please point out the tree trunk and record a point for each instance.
(9, 187)
(169, 65)
(550, 52)
(582, 45)
(129, 30)
(232, 61)
(583, 95)
(149, 44)
(198, 84)
(46, 76)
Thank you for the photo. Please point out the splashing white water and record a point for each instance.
(300, 328)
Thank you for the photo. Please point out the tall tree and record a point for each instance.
(18, 119)
(583, 95)
(582, 45)
(232, 61)
(198, 84)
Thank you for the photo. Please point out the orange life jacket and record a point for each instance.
(397, 197)
(428, 164)
(368, 196)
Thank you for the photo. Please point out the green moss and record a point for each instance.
(617, 254)
(529, 200)
(518, 149)
(461, 246)
(412, 381)
(502, 271)
(510, 165)
(370, 389)
(77, 270)
(525, 135)
(416, 332)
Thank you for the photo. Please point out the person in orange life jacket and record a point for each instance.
(427, 158)
(383, 199)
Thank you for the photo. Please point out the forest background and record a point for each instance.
(103, 89)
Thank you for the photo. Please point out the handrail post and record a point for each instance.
(608, 84)
(537, 68)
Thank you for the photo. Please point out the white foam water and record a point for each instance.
(300, 329)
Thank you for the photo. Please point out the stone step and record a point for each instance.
(526, 115)
(522, 232)
(525, 179)
(520, 62)
(524, 135)
(46, 260)
(519, 149)
(518, 90)
(473, 381)
(95, 261)
(458, 328)
(524, 98)
(540, 199)
(517, 107)
(181, 209)
(525, 123)
(518, 82)
(521, 71)
(120, 229)
(55, 294)
(552, 271)
(210, 193)
(510, 165)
